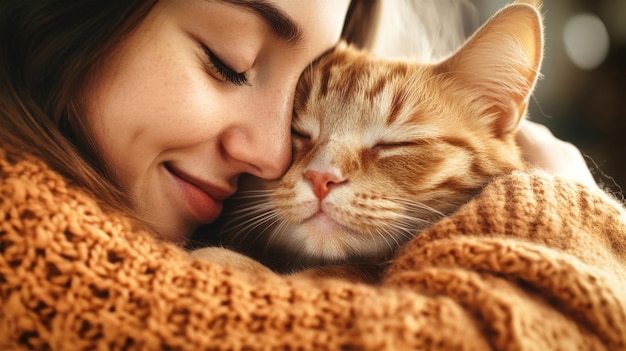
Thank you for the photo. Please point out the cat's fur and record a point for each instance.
(383, 149)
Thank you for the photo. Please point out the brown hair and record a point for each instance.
(49, 52)
(361, 23)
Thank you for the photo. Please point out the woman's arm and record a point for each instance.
(506, 271)
(537, 261)
(544, 151)
(73, 277)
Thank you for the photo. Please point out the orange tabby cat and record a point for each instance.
(383, 149)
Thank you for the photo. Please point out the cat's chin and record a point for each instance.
(323, 224)
(324, 240)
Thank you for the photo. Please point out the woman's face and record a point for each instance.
(200, 93)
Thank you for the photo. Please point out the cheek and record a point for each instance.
(411, 171)
(137, 117)
(157, 106)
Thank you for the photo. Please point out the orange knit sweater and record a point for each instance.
(532, 263)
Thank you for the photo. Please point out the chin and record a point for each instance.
(177, 234)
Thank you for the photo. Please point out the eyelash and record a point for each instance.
(298, 134)
(224, 71)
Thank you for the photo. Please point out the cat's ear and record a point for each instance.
(499, 65)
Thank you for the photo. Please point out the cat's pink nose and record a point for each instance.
(322, 182)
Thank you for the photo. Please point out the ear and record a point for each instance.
(499, 65)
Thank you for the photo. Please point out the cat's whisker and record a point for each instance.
(268, 223)
(406, 228)
(249, 224)
(279, 230)
(413, 219)
(384, 233)
(444, 202)
(249, 209)
(413, 205)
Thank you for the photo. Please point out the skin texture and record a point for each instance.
(175, 131)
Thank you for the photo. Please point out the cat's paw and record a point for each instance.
(230, 259)
(363, 272)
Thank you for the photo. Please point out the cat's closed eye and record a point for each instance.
(382, 146)
(297, 133)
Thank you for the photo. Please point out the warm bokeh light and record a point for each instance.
(586, 41)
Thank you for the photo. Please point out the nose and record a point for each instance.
(323, 182)
(261, 141)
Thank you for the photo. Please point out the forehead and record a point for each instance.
(351, 79)
(297, 22)
(350, 92)
(280, 23)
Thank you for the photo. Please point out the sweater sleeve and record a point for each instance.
(73, 277)
(538, 262)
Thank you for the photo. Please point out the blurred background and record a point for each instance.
(582, 96)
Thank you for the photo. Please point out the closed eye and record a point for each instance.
(300, 134)
(393, 145)
(224, 72)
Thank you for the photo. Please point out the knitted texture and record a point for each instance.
(532, 263)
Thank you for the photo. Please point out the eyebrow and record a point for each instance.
(280, 24)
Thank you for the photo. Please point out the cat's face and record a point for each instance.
(383, 149)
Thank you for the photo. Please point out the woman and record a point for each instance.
(129, 121)
(223, 74)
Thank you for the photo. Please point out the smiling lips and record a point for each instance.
(203, 199)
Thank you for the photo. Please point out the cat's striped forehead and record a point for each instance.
(350, 90)
(347, 73)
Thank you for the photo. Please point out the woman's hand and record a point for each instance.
(544, 151)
